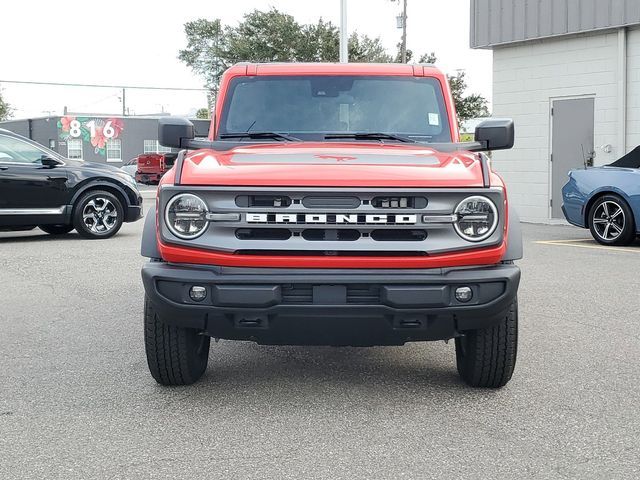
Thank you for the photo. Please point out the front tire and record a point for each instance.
(98, 215)
(56, 229)
(175, 355)
(487, 357)
(611, 221)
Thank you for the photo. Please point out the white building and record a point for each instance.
(568, 73)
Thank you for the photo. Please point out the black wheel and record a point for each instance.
(56, 229)
(98, 214)
(611, 221)
(176, 356)
(487, 357)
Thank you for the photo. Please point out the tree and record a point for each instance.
(274, 36)
(203, 113)
(467, 106)
(270, 36)
(470, 106)
(205, 52)
(6, 111)
(428, 58)
(320, 42)
(367, 50)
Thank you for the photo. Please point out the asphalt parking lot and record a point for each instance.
(77, 401)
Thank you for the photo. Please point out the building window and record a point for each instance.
(74, 148)
(114, 150)
(153, 146)
(150, 146)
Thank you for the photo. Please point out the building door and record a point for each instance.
(572, 143)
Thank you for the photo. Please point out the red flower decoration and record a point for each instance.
(66, 123)
(98, 140)
(118, 126)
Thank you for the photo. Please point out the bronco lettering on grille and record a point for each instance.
(331, 218)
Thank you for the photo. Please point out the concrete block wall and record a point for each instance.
(527, 77)
(633, 88)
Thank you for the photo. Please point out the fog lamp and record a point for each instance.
(197, 293)
(464, 294)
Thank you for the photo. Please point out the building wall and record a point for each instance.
(633, 88)
(527, 76)
(54, 133)
(21, 127)
(499, 22)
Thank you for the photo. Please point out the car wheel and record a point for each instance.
(56, 229)
(98, 214)
(175, 355)
(487, 357)
(611, 221)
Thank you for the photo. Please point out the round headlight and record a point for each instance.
(477, 218)
(186, 216)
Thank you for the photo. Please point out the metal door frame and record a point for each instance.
(550, 149)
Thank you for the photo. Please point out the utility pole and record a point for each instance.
(344, 38)
(124, 109)
(403, 48)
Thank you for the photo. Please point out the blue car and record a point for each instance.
(606, 200)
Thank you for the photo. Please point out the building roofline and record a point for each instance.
(94, 115)
(491, 46)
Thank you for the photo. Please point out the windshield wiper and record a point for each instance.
(370, 136)
(260, 135)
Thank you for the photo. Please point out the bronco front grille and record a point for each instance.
(331, 221)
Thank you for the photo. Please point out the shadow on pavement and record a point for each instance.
(36, 235)
(285, 374)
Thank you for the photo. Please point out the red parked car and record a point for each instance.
(332, 204)
(152, 166)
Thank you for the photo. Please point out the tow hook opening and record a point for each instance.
(409, 322)
(251, 321)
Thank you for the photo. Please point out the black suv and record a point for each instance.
(38, 187)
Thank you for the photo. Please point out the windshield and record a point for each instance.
(310, 107)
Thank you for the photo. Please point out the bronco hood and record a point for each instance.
(335, 164)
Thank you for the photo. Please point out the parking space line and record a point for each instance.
(578, 244)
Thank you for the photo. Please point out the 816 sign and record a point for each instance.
(75, 129)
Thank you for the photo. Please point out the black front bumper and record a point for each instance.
(330, 307)
(133, 213)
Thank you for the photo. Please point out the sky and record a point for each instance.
(136, 42)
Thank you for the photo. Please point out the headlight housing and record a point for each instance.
(186, 216)
(477, 218)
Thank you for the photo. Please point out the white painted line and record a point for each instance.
(576, 243)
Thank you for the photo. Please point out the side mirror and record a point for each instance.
(496, 134)
(49, 162)
(175, 132)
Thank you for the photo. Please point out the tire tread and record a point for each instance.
(169, 353)
(488, 357)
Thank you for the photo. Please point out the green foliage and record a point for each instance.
(6, 111)
(320, 42)
(206, 50)
(469, 106)
(428, 58)
(367, 50)
(270, 36)
(274, 36)
(203, 113)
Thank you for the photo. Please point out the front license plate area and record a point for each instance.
(329, 294)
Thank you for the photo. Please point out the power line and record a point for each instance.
(138, 87)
